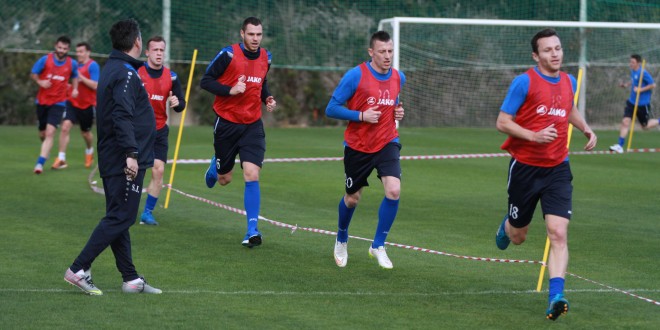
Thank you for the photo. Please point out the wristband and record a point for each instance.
(133, 155)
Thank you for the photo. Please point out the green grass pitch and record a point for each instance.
(210, 281)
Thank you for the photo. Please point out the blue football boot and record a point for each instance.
(148, 219)
(501, 239)
(558, 306)
(211, 174)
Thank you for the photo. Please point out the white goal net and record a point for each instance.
(458, 70)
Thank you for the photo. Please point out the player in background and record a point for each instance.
(52, 73)
(163, 87)
(126, 131)
(237, 78)
(368, 97)
(81, 109)
(535, 115)
(643, 106)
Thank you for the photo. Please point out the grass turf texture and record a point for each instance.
(210, 281)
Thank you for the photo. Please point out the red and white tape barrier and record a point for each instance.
(421, 157)
(404, 246)
(96, 189)
(332, 233)
(655, 302)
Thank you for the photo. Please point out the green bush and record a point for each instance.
(17, 90)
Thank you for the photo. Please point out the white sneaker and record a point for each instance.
(82, 281)
(381, 256)
(341, 253)
(616, 148)
(38, 169)
(139, 285)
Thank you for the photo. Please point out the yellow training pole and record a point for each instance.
(632, 120)
(539, 284)
(178, 138)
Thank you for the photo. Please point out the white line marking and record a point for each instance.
(338, 293)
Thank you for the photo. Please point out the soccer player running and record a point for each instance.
(52, 73)
(643, 106)
(81, 109)
(368, 97)
(237, 78)
(536, 114)
(162, 86)
(126, 131)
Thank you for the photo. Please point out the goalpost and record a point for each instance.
(458, 70)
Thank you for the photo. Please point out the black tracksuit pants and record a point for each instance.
(122, 200)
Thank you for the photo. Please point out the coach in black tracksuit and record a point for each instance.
(126, 131)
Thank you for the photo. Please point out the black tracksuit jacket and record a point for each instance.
(125, 120)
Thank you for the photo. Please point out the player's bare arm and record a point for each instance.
(398, 111)
(507, 125)
(271, 104)
(74, 83)
(88, 82)
(174, 101)
(238, 88)
(576, 119)
(41, 83)
(371, 115)
(644, 89)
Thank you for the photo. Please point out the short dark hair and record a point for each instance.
(637, 57)
(155, 39)
(84, 44)
(540, 35)
(380, 36)
(250, 20)
(124, 33)
(64, 40)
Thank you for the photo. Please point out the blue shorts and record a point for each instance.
(49, 114)
(83, 116)
(161, 144)
(359, 165)
(248, 141)
(530, 184)
(643, 112)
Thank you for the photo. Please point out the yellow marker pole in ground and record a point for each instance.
(539, 285)
(632, 120)
(178, 138)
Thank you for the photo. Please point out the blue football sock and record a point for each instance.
(252, 200)
(345, 216)
(41, 160)
(151, 203)
(622, 141)
(386, 215)
(556, 287)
